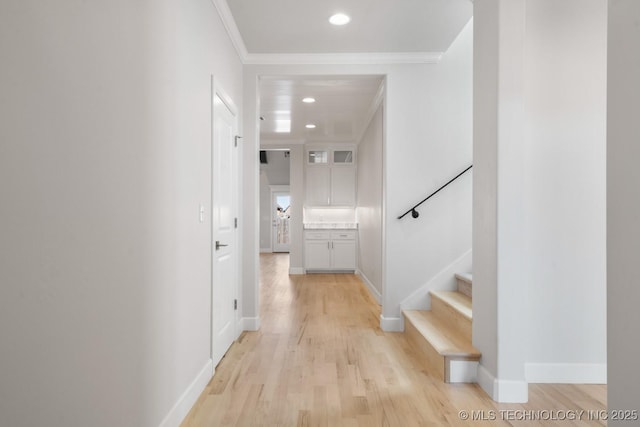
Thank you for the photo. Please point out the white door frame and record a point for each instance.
(217, 90)
(276, 189)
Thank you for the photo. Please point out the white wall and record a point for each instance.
(277, 168)
(265, 213)
(623, 210)
(499, 328)
(565, 189)
(485, 174)
(428, 140)
(539, 196)
(296, 261)
(104, 160)
(369, 206)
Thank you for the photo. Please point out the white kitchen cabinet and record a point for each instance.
(318, 188)
(343, 186)
(330, 250)
(330, 177)
(317, 254)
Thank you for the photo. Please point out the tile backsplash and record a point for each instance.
(329, 215)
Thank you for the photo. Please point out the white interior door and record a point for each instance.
(225, 251)
(280, 219)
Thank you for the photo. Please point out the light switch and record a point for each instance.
(201, 213)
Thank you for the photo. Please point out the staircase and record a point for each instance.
(443, 334)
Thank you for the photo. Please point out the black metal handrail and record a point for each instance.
(414, 213)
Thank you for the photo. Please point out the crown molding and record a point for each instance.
(232, 29)
(343, 58)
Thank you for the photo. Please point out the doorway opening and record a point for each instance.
(281, 219)
(276, 212)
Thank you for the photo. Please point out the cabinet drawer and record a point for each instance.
(343, 235)
(317, 235)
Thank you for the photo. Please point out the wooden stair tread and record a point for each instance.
(444, 338)
(457, 300)
(465, 277)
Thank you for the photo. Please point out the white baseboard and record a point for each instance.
(374, 292)
(443, 281)
(296, 270)
(250, 323)
(504, 391)
(186, 401)
(463, 371)
(566, 373)
(265, 250)
(486, 380)
(391, 324)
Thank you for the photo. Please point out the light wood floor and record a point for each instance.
(320, 359)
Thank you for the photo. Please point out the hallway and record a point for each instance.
(320, 359)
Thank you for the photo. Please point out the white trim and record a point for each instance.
(463, 371)
(566, 373)
(511, 391)
(391, 324)
(504, 391)
(189, 397)
(280, 144)
(225, 97)
(372, 289)
(250, 323)
(343, 58)
(420, 299)
(486, 380)
(296, 270)
(265, 250)
(232, 29)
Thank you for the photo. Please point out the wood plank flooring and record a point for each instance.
(321, 360)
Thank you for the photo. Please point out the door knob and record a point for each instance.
(219, 245)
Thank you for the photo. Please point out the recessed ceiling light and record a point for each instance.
(310, 126)
(339, 19)
(308, 100)
(283, 126)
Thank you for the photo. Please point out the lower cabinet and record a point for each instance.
(330, 250)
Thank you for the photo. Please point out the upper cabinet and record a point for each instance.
(318, 186)
(318, 157)
(343, 157)
(330, 176)
(343, 187)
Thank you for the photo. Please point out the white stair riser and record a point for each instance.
(464, 287)
(462, 371)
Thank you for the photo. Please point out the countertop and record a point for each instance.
(330, 226)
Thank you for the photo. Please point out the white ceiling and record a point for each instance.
(342, 106)
(301, 26)
(277, 31)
